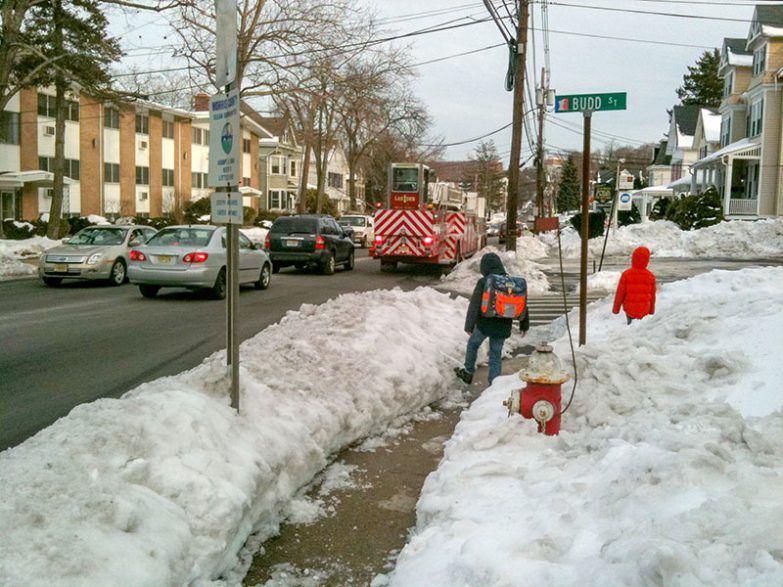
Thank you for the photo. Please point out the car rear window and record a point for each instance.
(293, 225)
(353, 221)
(190, 237)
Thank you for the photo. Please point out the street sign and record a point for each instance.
(227, 208)
(226, 42)
(603, 194)
(624, 201)
(626, 181)
(225, 138)
(591, 102)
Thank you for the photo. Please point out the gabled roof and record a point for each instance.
(686, 117)
(767, 21)
(659, 155)
(710, 123)
(734, 53)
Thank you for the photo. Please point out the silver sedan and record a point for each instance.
(194, 257)
(95, 252)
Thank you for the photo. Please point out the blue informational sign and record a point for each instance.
(225, 136)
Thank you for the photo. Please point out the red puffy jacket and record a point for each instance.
(636, 290)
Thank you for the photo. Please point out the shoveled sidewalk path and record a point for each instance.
(371, 522)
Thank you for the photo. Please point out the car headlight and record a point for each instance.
(94, 258)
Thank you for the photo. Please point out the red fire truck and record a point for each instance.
(424, 222)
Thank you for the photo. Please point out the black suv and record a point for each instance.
(309, 239)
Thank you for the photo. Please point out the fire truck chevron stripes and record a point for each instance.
(413, 222)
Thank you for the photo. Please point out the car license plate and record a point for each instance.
(61, 268)
(165, 259)
(292, 243)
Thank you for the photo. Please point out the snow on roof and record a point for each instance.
(711, 121)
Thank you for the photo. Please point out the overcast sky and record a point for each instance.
(625, 48)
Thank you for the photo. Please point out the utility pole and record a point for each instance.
(516, 130)
(541, 97)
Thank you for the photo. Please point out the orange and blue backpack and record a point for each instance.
(504, 296)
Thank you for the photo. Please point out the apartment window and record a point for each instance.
(142, 175)
(9, 127)
(47, 107)
(756, 116)
(728, 82)
(200, 136)
(277, 165)
(111, 118)
(71, 168)
(246, 181)
(168, 129)
(335, 180)
(276, 198)
(725, 131)
(293, 168)
(142, 124)
(168, 178)
(199, 180)
(111, 172)
(759, 60)
(245, 145)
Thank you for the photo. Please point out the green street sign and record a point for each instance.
(591, 102)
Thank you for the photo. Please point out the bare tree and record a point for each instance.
(172, 89)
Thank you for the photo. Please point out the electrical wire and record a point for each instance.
(568, 324)
(652, 13)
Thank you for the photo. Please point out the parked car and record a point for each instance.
(363, 227)
(493, 228)
(194, 257)
(502, 232)
(95, 252)
(309, 240)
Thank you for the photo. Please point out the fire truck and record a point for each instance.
(424, 222)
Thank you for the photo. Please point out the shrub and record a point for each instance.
(195, 209)
(658, 211)
(696, 211)
(22, 231)
(595, 223)
(626, 217)
(75, 224)
(248, 216)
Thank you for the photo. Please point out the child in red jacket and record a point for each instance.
(636, 290)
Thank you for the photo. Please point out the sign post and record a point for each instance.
(224, 161)
(587, 104)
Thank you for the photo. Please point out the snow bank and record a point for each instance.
(668, 469)
(163, 486)
(12, 252)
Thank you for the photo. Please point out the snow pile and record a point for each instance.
(163, 486)
(736, 239)
(13, 252)
(462, 279)
(668, 469)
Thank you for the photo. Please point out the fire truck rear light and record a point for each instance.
(195, 257)
(428, 240)
(378, 239)
(319, 243)
(137, 256)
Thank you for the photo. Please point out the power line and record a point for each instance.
(652, 13)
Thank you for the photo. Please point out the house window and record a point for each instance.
(725, 131)
(759, 60)
(111, 118)
(168, 129)
(728, 82)
(46, 107)
(276, 199)
(756, 116)
(245, 145)
(199, 180)
(142, 124)
(277, 165)
(200, 136)
(168, 178)
(111, 172)
(293, 168)
(9, 127)
(142, 175)
(335, 180)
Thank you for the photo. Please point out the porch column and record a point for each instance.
(727, 184)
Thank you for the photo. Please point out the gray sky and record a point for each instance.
(625, 49)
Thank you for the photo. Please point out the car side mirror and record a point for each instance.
(66, 241)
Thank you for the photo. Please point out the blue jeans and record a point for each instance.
(495, 351)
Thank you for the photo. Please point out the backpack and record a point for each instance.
(504, 296)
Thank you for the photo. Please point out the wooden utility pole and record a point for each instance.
(540, 170)
(516, 130)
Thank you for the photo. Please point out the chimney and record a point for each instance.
(201, 102)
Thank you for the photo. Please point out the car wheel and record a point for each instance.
(52, 281)
(349, 263)
(149, 291)
(264, 278)
(218, 291)
(327, 265)
(118, 273)
(388, 266)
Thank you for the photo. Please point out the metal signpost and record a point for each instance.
(587, 104)
(224, 172)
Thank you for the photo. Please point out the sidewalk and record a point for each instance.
(371, 521)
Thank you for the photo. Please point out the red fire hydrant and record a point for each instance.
(540, 399)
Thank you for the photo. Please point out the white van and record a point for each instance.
(363, 228)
